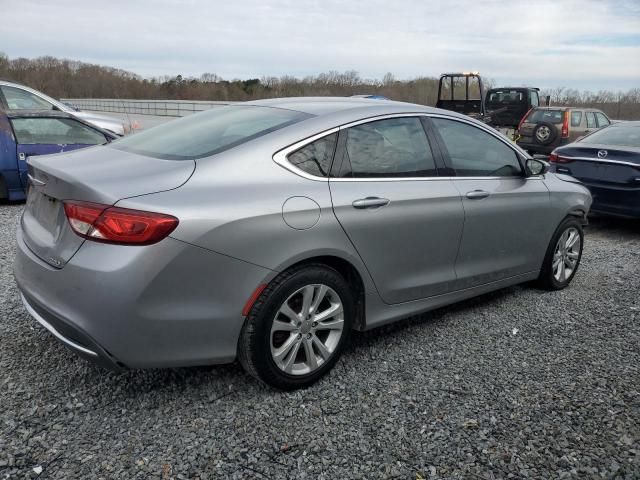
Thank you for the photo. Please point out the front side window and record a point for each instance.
(396, 147)
(591, 120)
(207, 133)
(315, 158)
(576, 118)
(56, 131)
(18, 99)
(476, 153)
(603, 121)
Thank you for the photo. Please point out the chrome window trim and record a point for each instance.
(600, 160)
(280, 157)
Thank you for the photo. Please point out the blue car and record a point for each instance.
(24, 133)
(608, 162)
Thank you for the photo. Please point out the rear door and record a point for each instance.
(44, 136)
(404, 220)
(506, 226)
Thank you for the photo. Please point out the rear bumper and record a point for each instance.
(164, 305)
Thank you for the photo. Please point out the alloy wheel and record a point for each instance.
(543, 133)
(307, 329)
(566, 254)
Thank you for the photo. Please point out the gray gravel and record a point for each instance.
(516, 384)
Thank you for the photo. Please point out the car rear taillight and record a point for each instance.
(122, 226)
(565, 125)
(555, 158)
(524, 118)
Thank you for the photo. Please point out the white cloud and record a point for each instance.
(587, 44)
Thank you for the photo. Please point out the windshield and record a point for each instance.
(207, 133)
(551, 116)
(626, 136)
(505, 96)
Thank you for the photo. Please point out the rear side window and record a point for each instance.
(603, 121)
(396, 147)
(535, 99)
(549, 116)
(57, 131)
(618, 134)
(506, 96)
(207, 133)
(591, 120)
(18, 99)
(476, 153)
(576, 118)
(315, 158)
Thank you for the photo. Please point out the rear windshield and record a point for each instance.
(627, 136)
(207, 133)
(506, 96)
(551, 116)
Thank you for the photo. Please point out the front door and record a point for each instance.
(404, 221)
(506, 226)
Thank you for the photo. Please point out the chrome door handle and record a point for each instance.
(370, 202)
(478, 194)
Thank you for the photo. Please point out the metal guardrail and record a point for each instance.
(162, 108)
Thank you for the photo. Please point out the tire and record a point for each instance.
(545, 133)
(558, 278)
(262, 341)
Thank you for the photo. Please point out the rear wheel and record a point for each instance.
(297, 328)
(563, 256)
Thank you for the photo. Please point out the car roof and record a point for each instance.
(37, 114)
(514, 88)
(321, 106)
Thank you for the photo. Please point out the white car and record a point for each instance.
(14, 96)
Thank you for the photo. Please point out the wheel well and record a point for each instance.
(351, 275)
(4, 190)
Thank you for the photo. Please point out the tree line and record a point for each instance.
(62, 78)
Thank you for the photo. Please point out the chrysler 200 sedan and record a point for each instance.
(267, 231)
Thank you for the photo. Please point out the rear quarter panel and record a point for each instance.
(233, 204)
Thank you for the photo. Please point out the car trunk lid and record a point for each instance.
(601, 164)
(99, 175)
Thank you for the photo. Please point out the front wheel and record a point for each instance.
(297, 328)
(563, 256)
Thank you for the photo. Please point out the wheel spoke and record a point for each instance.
(279, 326)
(288, 312)
(312, 361)
(573, 255)
(307, 298)
(332, 311)
(281, 352)
(572, 240)
(337, 324)
(319, 296)
(288, 365)
(322, 349)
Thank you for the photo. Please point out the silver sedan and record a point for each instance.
(267, 231)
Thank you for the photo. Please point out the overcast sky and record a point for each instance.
(585, 44)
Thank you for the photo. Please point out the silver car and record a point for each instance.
(14, 96)
(267, 231)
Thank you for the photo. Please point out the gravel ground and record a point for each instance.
(515, 384)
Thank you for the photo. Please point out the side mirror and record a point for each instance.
(535, 166)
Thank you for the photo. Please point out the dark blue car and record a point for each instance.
(608, 163)
(26, 133)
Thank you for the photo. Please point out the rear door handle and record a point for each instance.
(370, 202)
(477, 194)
